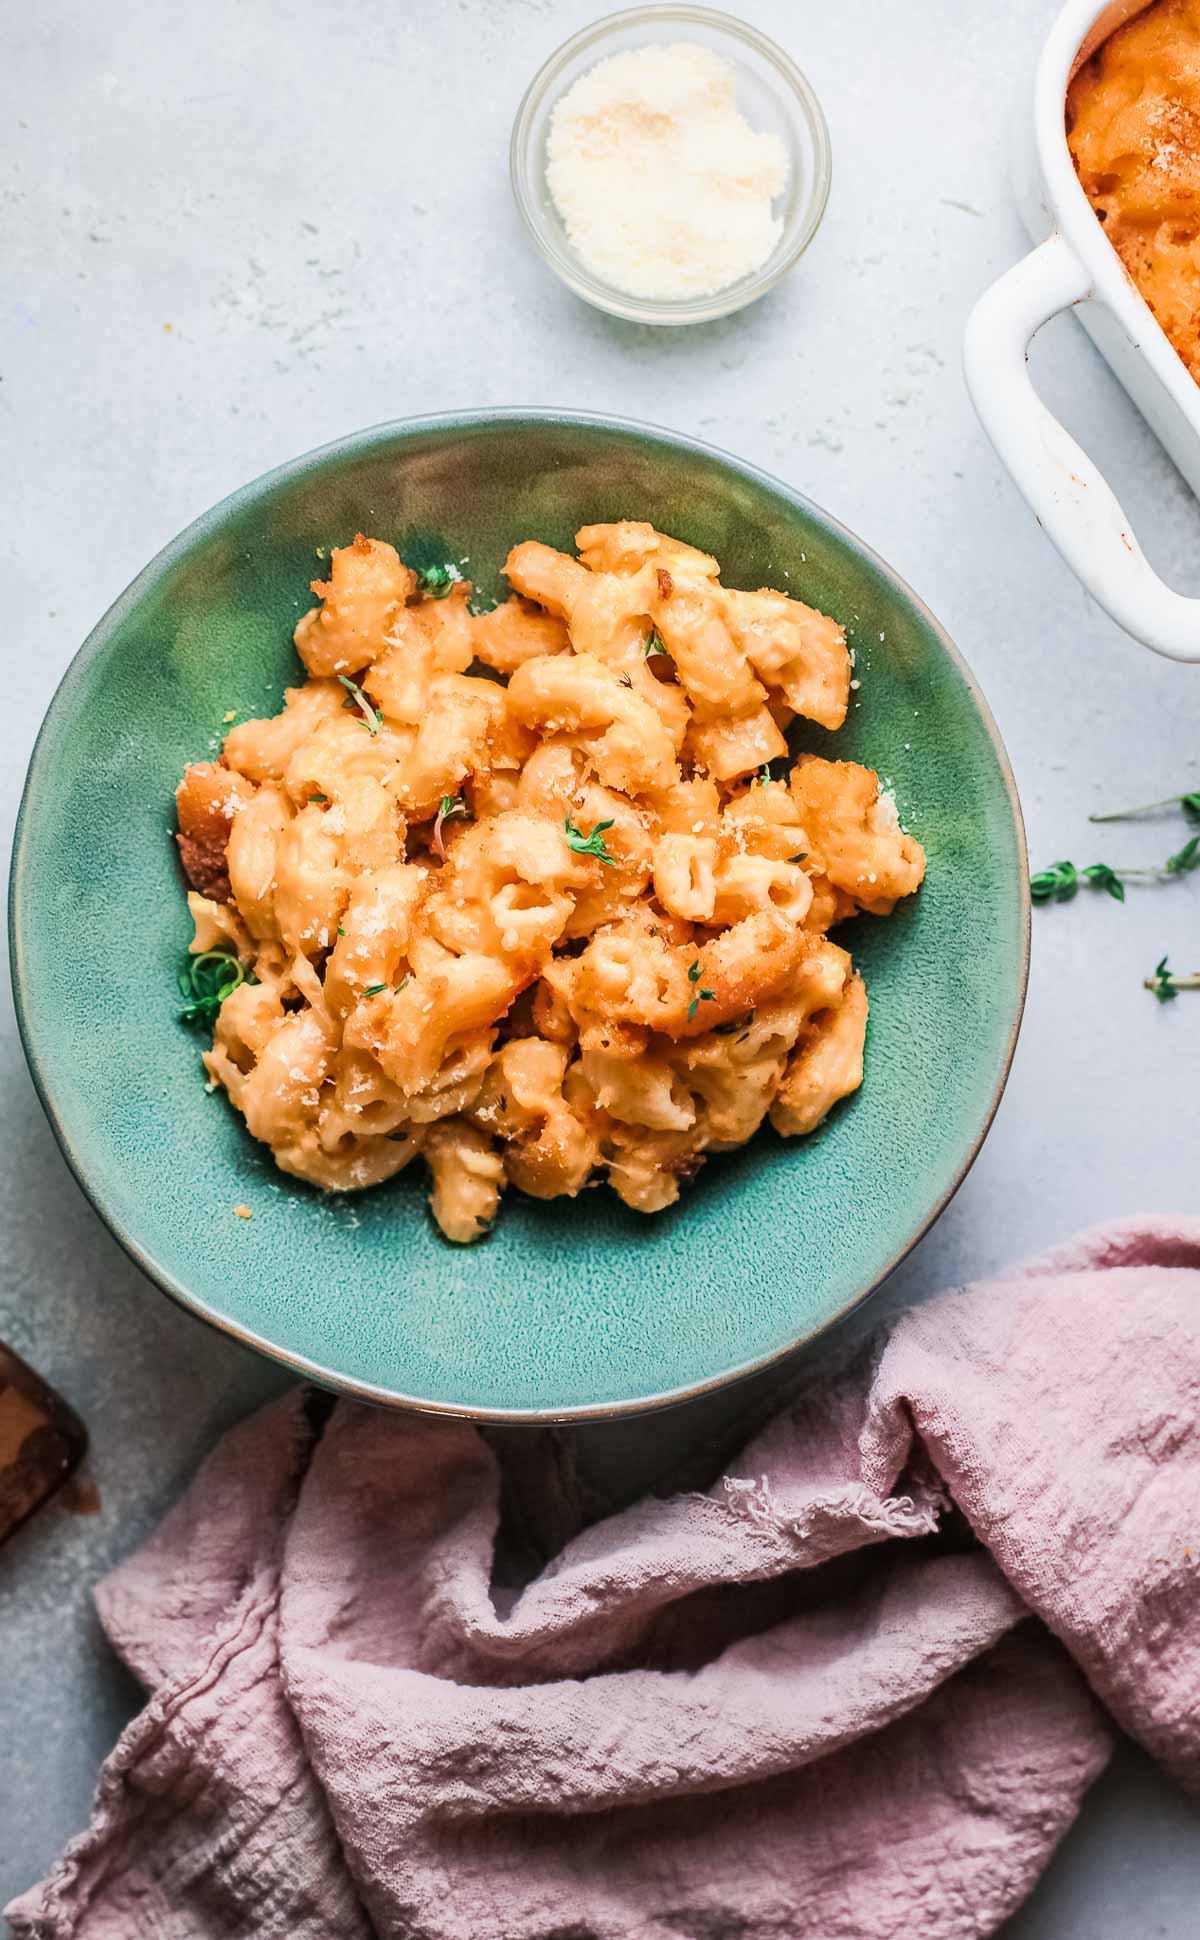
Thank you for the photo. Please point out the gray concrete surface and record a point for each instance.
(231, 232)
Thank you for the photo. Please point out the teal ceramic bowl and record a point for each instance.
(570, 1308)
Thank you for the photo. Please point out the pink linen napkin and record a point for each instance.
(842, 1695)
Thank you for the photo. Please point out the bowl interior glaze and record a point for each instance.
(569, 1307)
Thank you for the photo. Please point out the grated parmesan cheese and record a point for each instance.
(665, 189)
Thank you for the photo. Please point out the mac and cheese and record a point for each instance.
(554, 920)
(1133, 124)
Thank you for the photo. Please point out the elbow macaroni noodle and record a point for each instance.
(549, 923)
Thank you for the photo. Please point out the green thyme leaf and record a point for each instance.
(451, 807)
(654, 644)
(1186, 859)
(206, 980)
(372, 717)
(592, 844)
(373, 989)
(1167, 987)
(436, 581)
(694, 971)
(1102, 877)
(1060, 882)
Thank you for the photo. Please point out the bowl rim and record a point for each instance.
(570, 269)
(356, 444)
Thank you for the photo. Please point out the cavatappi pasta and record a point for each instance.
(549, 927)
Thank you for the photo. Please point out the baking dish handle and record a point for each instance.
(1070, 498)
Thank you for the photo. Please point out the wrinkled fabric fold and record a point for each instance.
(842, 1694)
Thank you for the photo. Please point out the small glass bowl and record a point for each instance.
(773, 95)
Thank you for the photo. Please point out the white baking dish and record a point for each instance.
(1077, 266)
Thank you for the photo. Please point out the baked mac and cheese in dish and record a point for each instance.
(550, 922)
(1133, 125)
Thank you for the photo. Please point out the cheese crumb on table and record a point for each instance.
(665, 189)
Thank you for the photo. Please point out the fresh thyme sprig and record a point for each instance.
(372, 716)
(1166, 985)
(450, 807)
(592, 844)
(1190, 804)
(1061, 882)
(436, 581)
(206, 980)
